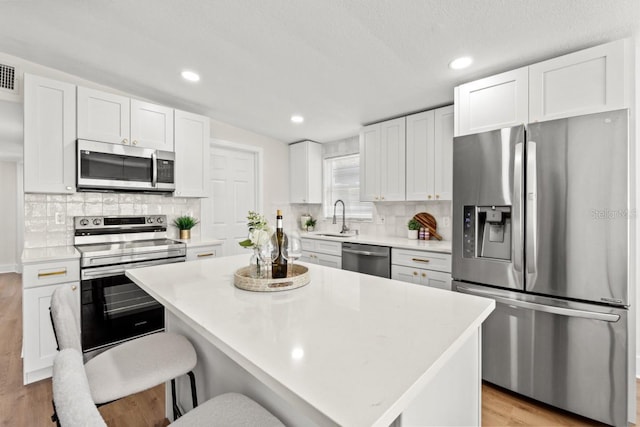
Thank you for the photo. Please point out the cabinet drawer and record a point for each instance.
(50, 273)
(421, 259)
(322, 246)
(203, 252)
(419, 276)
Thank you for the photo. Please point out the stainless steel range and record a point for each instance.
(114, 309)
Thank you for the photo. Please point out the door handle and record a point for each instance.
(532, 208)
(518, 219)
(154, 169)
(365, 253)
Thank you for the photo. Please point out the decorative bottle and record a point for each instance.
(279, 265)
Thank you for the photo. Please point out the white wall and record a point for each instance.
(8, 216)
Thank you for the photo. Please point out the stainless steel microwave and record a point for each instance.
(111, 167)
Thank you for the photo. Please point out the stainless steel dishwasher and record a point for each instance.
(367, 259)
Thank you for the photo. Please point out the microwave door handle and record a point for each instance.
(154, 169)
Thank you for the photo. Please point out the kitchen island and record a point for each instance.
(347, 349)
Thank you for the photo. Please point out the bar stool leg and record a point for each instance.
(194, 394)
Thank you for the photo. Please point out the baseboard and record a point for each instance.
(8, 268)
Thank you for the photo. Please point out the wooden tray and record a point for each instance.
(299, 278)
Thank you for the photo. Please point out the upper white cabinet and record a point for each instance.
(305, 172)
(429, 162)
(49, 135)
(584, 82)
(382, 157)
(492, 103)
(192, 133)
(107, 117)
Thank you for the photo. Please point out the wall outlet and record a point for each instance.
(59, 218)
(446, 221)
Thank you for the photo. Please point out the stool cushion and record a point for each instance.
(74, 406)
(228, 410)
(138, 365)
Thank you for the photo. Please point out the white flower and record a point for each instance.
(259, 237)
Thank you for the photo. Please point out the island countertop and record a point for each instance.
(355, 349)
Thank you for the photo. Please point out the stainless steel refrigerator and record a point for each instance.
(540, 224)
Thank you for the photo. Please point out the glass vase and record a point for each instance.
(258, 266)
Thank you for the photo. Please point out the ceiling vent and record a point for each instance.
(8, 78)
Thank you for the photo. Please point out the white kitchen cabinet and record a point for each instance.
(192, 133)
(107, 117)
(103, 116)
(421, 267)
(38, 340)
(322, 252)
(584, 82)
(382, 161)
(49, 135)
(588, 81)
(429, 162)
(203, 252)
(151, 125)
(492, 103)
(305, 172)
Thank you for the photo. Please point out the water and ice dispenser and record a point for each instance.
(487, 232)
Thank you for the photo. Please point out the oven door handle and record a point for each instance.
(96, 273)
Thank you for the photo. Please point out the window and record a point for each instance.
(342, 181)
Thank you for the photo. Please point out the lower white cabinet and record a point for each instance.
(322, 252)
(421, 267)
(203, 252)
(39, 346)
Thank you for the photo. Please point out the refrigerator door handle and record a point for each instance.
(518, 219)
(570, 312)
(532, 208)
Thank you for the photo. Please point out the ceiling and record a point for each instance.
(339, 63)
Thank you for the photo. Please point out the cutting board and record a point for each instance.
(429, 222)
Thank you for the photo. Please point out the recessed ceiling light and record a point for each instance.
(297, 119)
(191, 76)
(460, 63)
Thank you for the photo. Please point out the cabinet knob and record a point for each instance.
(69, 188)
(125, 141)
(134, 142)
(424, 274)
(415, 273)
(376, 198)
(74, 287)
(429, 197)
(437, 196)
(381, 197)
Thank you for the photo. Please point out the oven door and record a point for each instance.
(114, 309)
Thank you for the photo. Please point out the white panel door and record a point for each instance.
(49, 135)
(420, 156)
(589, 81)
(103, 116)
(392, 158)
(493, 102)
(232, 193)
(443, 153)
(152, 125)
(370, 163)
(192, 154)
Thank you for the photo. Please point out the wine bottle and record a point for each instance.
(279, 266)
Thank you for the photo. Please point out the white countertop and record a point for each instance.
(353, 347)
(395, 242)
(52, 253)
(196, 242)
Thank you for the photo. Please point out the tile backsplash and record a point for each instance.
(389, 218)
(49, 217)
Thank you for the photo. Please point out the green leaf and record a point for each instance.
(246, 243)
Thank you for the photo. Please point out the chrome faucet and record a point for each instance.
(344, 225)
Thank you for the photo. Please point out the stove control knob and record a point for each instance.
(159, 220)
(96, 221)
(84, 221)
(149, 220)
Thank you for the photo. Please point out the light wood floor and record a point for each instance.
(31, 405)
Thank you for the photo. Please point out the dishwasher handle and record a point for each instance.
(366, 253)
